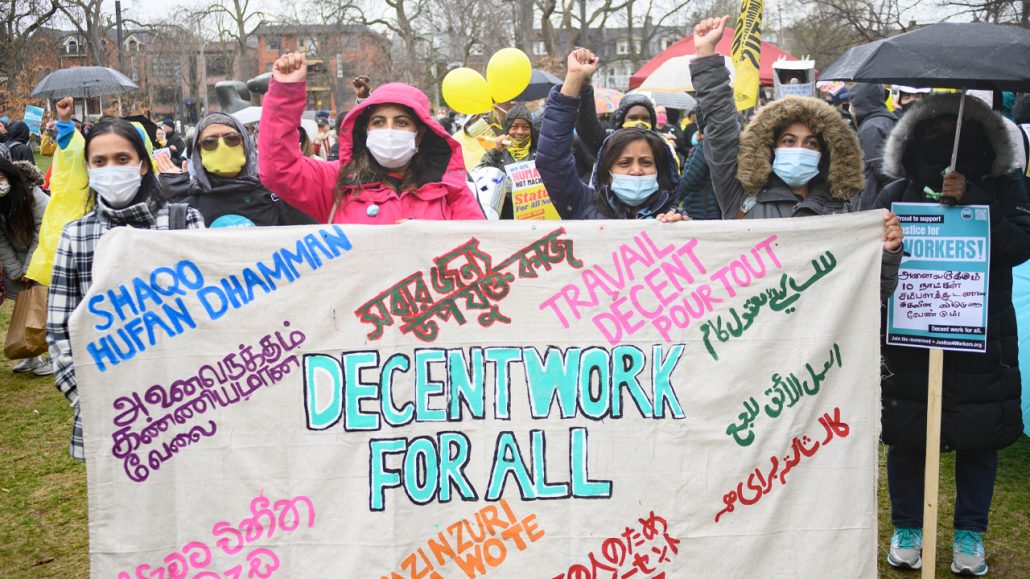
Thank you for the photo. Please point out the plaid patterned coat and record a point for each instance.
(72, 277)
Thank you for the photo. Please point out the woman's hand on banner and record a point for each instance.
(672, 217)
(892, 233)
(291, 67)
(707, 34)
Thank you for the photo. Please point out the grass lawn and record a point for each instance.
(43, 530)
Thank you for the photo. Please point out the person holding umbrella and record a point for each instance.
(797, 158)
(981, 391)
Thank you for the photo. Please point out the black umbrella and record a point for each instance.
(970, 55)
(149, 127)
(83, 82)
(540, 84)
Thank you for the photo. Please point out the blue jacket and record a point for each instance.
(575, 199)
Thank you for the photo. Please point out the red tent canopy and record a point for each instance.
(770, 54)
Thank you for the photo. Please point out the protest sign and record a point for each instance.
(569, 400)
(528, 195)
(941, 299)
(33, 118)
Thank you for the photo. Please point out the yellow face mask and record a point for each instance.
(640, 124)
(520, 149)
(224, 161)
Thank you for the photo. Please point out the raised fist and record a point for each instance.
(291, 67)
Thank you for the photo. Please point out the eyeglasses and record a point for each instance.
(230, 140)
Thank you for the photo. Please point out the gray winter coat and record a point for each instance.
(874, 125)
(741, 161)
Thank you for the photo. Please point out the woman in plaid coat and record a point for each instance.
(123, 192)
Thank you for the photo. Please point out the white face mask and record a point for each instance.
(116, 184)
(392, 148)
(5, 188)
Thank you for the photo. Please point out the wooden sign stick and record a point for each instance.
(931, 474)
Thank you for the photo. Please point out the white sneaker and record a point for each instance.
(26, 365)
(44, 369)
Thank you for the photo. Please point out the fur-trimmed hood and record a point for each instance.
(843, 172)
(935, 105)
(29, 173)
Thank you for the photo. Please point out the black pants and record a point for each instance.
(975, 471)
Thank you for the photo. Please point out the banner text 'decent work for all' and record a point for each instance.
(547, 399)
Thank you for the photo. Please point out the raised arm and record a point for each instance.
(303, 182)
(554, 158)
(715, 98)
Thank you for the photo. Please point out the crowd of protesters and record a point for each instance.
(389, 159)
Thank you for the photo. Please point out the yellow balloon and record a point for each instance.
(466, 91)
(508, 74)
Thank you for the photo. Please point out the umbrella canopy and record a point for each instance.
(969, 55)
(606, 100)
(83, 82)
(673, 76)
(540, 83)
(672, 100)
(770, 53)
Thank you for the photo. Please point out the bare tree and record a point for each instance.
(869, 19)
(21, 20)
(667, 13)
(236, 21)
(563, 22)
(824, 29)
(994, 11)
(89, 20)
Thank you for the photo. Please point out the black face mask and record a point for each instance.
(935, 151)
(930, 174)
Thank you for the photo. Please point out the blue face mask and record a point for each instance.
(796, 166)
(633, 190)
(694, 140)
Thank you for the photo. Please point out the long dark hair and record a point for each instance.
(618, 142)
(363, 167)
(16, 207)
(149, 189)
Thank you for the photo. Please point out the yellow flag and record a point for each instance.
(746, 53)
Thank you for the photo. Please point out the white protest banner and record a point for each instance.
(456, 400)
(941, 298)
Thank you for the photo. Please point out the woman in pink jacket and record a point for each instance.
(396, 162)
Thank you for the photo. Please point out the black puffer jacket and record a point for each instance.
(874, 125)
(575, 199)
(18, 142)
(981, 392)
